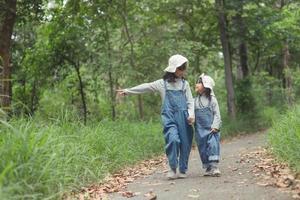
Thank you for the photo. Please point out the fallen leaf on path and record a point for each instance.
(119, 181)
(150, 195)
(284, 183)
(273, 172)
(263, 184)
(154, 184)
(296, 196)
(128, 194)
(193, 196)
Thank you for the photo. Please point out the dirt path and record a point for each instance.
(237, 180)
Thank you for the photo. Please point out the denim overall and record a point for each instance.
(208, 143)
(178, 133)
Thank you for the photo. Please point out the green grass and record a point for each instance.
(284, 137)
(43, 160)
(249, 123)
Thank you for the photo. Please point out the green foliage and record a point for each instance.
(284, 137)
(93, 36)
(55, 103)
(296, 83)
(268, 91)
(119, 44)
(268, 101)
(268, 115)
(246, 104)
(43, 159)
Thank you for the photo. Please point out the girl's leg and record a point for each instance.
(201, 135)
(214, 153)
(213, 147)
(172, 143)
(186, 138)
(202, 146)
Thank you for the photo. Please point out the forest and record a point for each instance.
(62, 126)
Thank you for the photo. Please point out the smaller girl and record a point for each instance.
(207, 125)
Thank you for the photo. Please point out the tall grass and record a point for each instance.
(284, 137)
(249, 123)
(42, 160)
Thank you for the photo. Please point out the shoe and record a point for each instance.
(208, 172)
(216, 172)
(171, 174)
(182, 175)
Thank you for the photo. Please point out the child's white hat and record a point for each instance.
(207, 81)
(174, 62)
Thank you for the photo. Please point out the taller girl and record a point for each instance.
(177, 113)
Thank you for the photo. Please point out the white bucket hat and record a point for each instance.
(174, 62)
(207, 81)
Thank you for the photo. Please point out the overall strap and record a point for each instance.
(200, 102)
(165, 85)
(183, 83)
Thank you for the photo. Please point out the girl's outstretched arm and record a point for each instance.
(145, 87)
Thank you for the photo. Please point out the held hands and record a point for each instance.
(214, 130)
(191, 120)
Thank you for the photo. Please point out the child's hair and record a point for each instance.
(171, 77)
(182, 67)
(207, 91)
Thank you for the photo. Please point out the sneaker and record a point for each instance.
(182, 175)
(216, 172)
(171, 174)
(208, 172)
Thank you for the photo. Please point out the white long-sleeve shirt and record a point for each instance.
(158, 86)
(202, 101)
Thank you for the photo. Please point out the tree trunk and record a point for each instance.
(81, 89)
(286, 71)
(110, 76)
(7, 21)
(112, 95)
(269, 89)
(227, 59)
(244, 58)
(81, 86)
(256, 62)
(197, 62)
(242, 45)
(287, 74)
(124, 17)
(33, 97)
